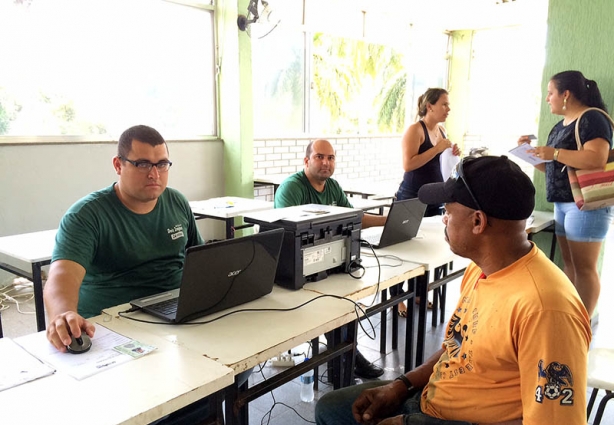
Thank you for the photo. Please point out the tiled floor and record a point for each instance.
(284, 407)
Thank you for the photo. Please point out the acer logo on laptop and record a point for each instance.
(234, 273)
(405, 221)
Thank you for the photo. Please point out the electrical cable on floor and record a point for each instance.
(15, 294)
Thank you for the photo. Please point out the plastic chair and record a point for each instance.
(600, 377)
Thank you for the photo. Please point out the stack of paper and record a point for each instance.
(18, 366)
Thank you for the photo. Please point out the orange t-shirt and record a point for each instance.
(516, 346)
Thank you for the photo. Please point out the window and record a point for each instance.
(278, 72)
(504, 87)
(314, 76)
(94, 68)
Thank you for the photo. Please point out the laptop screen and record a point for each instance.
(222, 275)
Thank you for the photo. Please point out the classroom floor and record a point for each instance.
(283, 405)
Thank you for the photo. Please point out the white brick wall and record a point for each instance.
(359, 159)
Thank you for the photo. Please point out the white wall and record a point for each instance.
(360, 159)
(38, 182)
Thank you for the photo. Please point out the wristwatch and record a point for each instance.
(555, 156)
(410, 388)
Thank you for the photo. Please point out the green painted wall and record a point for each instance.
(235, 99)
(581, 37)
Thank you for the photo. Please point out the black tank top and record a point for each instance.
(428, 173)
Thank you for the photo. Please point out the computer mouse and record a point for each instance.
(79, 345)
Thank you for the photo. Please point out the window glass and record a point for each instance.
(427, 65)
(357, 87)
(96, 67)
(500, 89)
(278, 69)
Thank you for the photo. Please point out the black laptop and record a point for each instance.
(218, 276)
(401, 225)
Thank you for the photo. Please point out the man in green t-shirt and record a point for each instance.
(314, 185)
(120, 243)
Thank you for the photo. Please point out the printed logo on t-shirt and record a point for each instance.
(559, 383)
(176, 232)
(455, 360)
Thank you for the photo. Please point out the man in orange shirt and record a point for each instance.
(515, 350)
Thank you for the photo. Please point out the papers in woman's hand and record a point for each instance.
(522, 152)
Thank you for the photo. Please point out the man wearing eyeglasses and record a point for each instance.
(120, 243)
(123, 242)
(515, 349)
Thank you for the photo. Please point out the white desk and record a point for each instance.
(356, 289)
(24, 255)
(362, 189)
(137, 392)
(343, 285)
(366, 189)
(430, 250)
(244, 340)
(270, 180)
(542, 221)
(227, 208)
(370, 204)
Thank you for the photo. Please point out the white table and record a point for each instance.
(227, 208)
(370, 204)
(270, 180)
(24, 255)
(244, 340)
(375, 280)
(430, 250)
(542, 221)
(134, 393)
(362, 189)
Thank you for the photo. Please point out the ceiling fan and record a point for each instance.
(258, 14)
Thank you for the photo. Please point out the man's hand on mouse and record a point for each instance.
(61, 327)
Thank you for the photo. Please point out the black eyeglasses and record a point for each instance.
(146, 166)
(458, 173)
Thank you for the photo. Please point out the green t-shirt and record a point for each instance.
(125, 255)
(297, 190)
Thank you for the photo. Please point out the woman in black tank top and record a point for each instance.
(422, 145)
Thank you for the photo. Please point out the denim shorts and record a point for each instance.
(581, 226)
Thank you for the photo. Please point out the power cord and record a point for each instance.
(16, 293)
(358, 309)
(269, 413)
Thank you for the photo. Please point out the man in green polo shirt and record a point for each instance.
(123, 242)
(314, 185)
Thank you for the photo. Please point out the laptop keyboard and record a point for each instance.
(372, 238)
(166, 307)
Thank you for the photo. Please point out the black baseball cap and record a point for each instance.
(493, 184)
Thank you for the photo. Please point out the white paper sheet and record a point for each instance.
(19, 366)
(100, 357)
(521, 151)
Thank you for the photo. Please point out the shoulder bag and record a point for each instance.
(592, 189)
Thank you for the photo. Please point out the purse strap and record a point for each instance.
(577, 130)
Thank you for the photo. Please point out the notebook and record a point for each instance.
(401, 225)
(218, 276)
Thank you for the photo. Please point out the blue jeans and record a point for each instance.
(581, 226)
(335, 408)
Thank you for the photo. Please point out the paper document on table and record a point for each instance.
(100, 357)
(19, 366)
(297, 213)
(522, 152)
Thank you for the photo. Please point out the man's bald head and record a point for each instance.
(319, 161)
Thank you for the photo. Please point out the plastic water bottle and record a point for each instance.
(307, 385)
